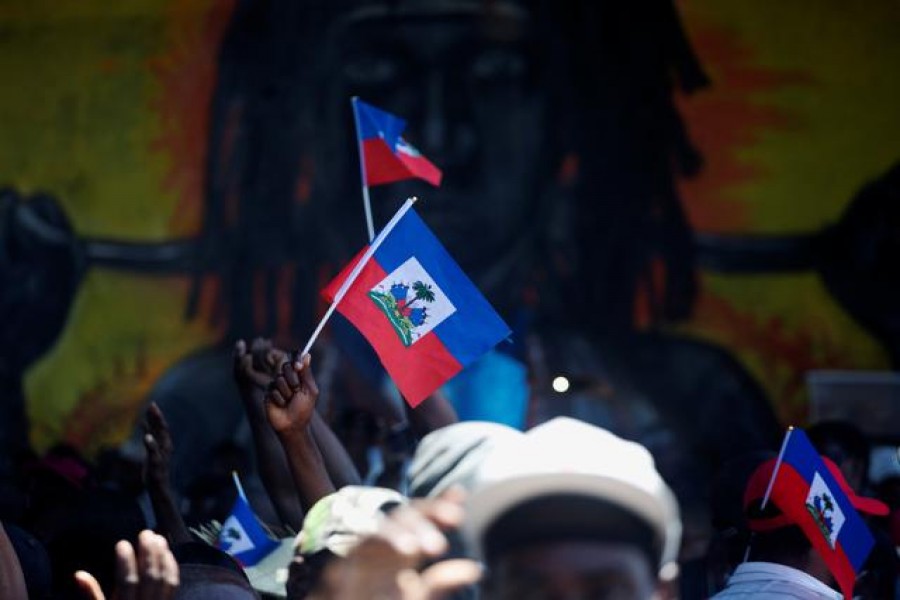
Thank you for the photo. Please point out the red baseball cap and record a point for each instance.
(759, 482)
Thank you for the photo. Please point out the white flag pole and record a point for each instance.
(768, 493)
(237, 484)
(342, 291)
(367, 205)
(784, 444)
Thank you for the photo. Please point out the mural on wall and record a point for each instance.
(706, 196)
(798, 135)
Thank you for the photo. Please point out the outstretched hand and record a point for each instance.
(151, 574)
(292, 395)
(250, 366)
(267, 357)
(388, 564)
(158, 442)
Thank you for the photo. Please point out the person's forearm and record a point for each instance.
(338, 463)
(433, 413)
(307, 466)
(169, 521)
(275, 471)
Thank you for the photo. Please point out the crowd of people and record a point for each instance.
(459, 509)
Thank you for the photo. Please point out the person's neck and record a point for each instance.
(816, 567)
(811, 564)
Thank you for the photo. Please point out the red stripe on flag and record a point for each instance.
(789, 494)
(381, 165)
(422, 168)
(331, 290)
(843, 571)
(417, 370)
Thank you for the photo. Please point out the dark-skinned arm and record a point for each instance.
(337, 462)
(254, 372)
(158, 442)
(433, 413)
(290, 405)
(269, 360)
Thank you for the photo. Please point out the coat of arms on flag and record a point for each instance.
(824, 510)
(242, 536)
(234, 538)
(412, 301)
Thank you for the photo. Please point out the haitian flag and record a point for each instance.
(243, 537)
(814, 496)
(386, 156)
(425, 319)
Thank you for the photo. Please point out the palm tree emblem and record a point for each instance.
(423, 291)
(406, 311)
(822, 510)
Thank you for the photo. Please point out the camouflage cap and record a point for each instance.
(338, 521)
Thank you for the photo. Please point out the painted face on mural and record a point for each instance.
(468, 85)
(40, 269)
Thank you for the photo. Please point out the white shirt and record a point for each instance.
(770, 581)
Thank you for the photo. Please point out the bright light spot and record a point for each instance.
(560, 384)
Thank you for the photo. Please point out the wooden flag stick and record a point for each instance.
(342, 291)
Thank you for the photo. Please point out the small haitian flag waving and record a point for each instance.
(425, 319)
(242, 536)
(814, 496)
(386, 156)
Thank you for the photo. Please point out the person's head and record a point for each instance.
(846, 445)
(571, 510)
(332, 527)
(207, 572)
(729, 524)
(776, 537)
(451, 455)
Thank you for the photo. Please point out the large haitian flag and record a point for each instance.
(805, 490)
(423, 316)
(386, 156)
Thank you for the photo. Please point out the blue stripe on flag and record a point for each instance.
(375, 123)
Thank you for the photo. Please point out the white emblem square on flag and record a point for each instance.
(412, 301)
(824, 509)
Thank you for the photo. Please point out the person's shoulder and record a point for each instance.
(771, 581)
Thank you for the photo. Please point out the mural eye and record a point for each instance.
(371, 71)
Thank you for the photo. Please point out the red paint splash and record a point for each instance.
(186, 75)
(724, 120)
(782, 355)
(727, 117)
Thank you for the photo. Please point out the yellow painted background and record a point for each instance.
(78, 118)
